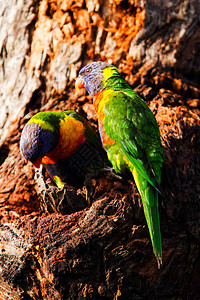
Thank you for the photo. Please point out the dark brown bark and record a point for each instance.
(102, 251)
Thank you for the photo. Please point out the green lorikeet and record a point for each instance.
(65, 144)
(130, 135)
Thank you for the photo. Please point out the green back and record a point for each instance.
(132, 125)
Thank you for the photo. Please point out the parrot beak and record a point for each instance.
(79, 84)
(37, 163)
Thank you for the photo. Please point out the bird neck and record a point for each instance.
(72, 135)
(109, 85)
(113, 80)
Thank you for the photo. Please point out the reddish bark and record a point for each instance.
(102, 250)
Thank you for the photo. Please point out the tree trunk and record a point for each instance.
(100, 250)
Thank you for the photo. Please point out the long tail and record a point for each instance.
(149, 197)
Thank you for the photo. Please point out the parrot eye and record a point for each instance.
(88, 70)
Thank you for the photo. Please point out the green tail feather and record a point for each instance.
(149, 197)
(153, 222)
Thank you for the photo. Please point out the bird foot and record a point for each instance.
(111, 171)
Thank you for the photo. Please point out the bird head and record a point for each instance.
(36, 141)
(93, 77)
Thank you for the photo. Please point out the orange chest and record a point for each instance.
(99, 101)
(63, 150)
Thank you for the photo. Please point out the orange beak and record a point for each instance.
(37, 163)
(79, 84)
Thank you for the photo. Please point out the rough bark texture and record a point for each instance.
(102, 251)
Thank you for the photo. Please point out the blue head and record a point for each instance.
(91, 77)
(36, 142)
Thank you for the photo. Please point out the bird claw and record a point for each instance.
(111, 171)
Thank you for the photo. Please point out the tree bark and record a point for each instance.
(101, 250)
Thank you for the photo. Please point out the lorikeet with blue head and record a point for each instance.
(130, 135)
(65, 143)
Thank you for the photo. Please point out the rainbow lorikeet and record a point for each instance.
(65, 144)
(130, 135)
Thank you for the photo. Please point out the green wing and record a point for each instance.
(129, 121)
